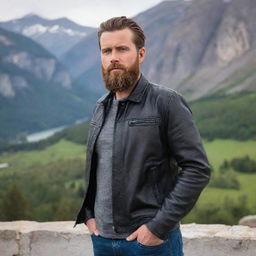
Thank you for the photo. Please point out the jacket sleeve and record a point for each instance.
(186, 146)
(87, 210)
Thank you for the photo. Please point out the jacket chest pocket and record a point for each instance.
(150, 121)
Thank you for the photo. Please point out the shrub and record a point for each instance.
(243, 164)
(225, 180)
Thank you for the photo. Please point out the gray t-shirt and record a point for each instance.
(103, 201)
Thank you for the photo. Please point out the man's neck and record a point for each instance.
(126, 93)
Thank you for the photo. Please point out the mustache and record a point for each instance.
(114, 66)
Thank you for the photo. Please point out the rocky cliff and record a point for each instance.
(208, 49)
(22, 61)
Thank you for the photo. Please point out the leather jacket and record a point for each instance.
(159, 164)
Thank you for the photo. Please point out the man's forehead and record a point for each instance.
(124, 36)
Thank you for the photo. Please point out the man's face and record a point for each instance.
(120, 59)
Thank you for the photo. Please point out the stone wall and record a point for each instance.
(30, 238)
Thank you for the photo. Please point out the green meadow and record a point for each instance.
(63, 149)
(218, 203)
(219, 150)
(46, 185)
(55, 175)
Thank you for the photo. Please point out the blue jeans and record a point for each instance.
(172, 246)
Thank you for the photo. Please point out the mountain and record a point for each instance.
(197, 47)
(83, 56)
(201, 48)
(35, 89)
(56, 35)
(210, 49)
(22, 60)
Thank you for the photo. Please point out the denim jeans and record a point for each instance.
(172, 246)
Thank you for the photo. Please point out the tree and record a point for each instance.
(14, 205)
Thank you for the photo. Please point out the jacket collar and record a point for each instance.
(135, 95)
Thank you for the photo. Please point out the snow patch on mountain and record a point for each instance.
(39, 29)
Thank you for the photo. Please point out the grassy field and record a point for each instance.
(27, 159)
(28, 162)
(220, 150)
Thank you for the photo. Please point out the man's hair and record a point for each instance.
(122, 22)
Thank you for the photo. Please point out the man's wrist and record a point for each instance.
(85, 222)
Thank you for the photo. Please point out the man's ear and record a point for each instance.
(142, 53)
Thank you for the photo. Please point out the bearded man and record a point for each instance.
(145, 163)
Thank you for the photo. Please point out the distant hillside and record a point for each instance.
(198, 47)
(223, 117)
(226, 117)
(219, 117)
(56, 35)
(76, 133)
(35, 89)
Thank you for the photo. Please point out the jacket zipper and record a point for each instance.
(142, 121)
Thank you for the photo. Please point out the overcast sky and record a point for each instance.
(85, 12)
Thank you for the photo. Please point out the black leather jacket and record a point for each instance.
(159, 164)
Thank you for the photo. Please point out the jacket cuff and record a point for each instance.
(158, 230)
(89, 214)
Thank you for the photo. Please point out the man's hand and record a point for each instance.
(144, 236)
(91, 224)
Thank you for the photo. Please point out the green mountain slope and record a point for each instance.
(229, 117)
(225, 117)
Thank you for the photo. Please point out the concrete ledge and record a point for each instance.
(30, 238)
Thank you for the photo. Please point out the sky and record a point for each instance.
(84, 12)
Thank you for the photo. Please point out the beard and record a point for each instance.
(123, 79)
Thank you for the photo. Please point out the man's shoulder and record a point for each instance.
(163, 92)
(168, 97)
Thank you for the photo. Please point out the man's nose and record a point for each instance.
(114, 57)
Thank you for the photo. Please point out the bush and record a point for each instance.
(225, 180)
(243, 164)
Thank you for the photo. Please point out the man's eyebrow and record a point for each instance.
(106, 48)
(122, 46)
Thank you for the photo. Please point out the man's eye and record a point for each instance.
(122, 49)
(107, 51)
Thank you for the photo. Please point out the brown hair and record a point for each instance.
(122, 22)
